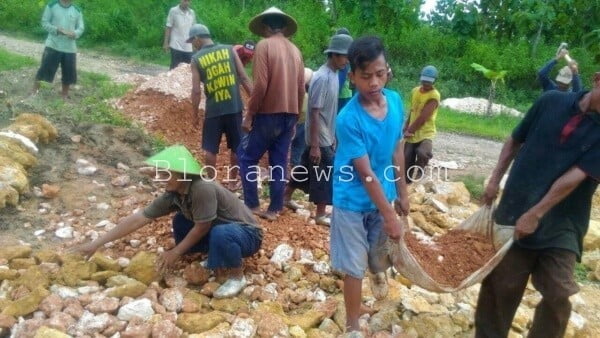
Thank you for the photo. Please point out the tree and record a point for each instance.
(493, 76)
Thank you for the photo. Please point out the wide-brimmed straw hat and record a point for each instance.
(257, 26)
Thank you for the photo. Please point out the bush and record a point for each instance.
(136, 29)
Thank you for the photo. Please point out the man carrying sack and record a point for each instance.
(548, 198)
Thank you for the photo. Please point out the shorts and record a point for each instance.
(318, 183)
(214, 127)
(50, 61)
(357, 242)
(178, 57)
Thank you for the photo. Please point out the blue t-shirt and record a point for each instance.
(359, 134)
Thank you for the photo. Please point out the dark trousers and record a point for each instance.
(298, 145)
(552, 274)
(226, 244)
(417, 154)
(178, 57)
(272, 133)
(51, 59)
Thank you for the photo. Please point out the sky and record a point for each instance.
(428, 6)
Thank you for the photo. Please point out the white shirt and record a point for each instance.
(180, 23)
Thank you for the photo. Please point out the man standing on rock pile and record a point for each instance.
(275, 103)
(64, 23)
(209, 219)
(548, 198)
(219, 68)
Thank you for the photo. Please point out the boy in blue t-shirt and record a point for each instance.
(368, 169)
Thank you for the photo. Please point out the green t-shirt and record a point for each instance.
(66, 18)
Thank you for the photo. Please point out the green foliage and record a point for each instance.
(494, 127)
(9, 61)
(492, 75)
(516, 36)
(474, 185)
(94, 108)
(581, 272)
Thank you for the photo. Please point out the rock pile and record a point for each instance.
(18, 153)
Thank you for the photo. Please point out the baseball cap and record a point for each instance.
(198, 30)
(565, 75)
(429, 74)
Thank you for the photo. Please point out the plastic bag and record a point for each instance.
(480, 222)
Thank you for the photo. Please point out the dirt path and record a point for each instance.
(475, 156)
(86, 60)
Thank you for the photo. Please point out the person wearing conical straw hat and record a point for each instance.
(208, 218)
(273, 108)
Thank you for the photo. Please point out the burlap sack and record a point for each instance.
(480, 222)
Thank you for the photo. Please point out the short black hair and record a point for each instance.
(274, 21)
(364, 50)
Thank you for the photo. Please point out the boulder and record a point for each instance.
(27, 304)
(196, 274)
(171, 299)
(102, 276)
(105, 263)
(139, 308)
(47, 256)
(15, 251)
(143, 267)
(72, 272)
(104, 305)
(46, 332)
(51, 304)
(22, 263)
(7, 274)
(242, 328)
(271, 325)
(33, 277)
(230, 305)
(383, 320)
(308, 320)
(591, 241)
(166, 329)
(198, 323)
(132, 289)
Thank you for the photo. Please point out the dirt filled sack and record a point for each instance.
(479, 225)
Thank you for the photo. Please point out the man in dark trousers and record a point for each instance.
(548, 198)
(221, 71)
(273, 109)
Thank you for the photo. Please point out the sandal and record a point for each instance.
(323, 220)
(293, 205)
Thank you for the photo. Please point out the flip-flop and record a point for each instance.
(293, 205)
(323, 220)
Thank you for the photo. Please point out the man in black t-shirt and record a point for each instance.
(548, 197)
(221, 72)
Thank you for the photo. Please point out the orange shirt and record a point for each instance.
(278, 72)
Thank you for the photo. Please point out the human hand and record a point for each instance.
(247, 123)
(315, 155)
(408, 133)
(402, 206)
(85, 249)
(166, 260)
(574, 67)
(490, 193)
(393, 227)
(526, 225)
(561, 54)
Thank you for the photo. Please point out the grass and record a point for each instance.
(474, 185)
(495, 127)
(11, 61)
(581, 272)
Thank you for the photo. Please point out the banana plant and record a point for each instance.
(494, 76)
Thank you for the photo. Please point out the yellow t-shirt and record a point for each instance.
(302, 115)
(417, 102)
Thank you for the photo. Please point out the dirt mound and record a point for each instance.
(451, 258)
